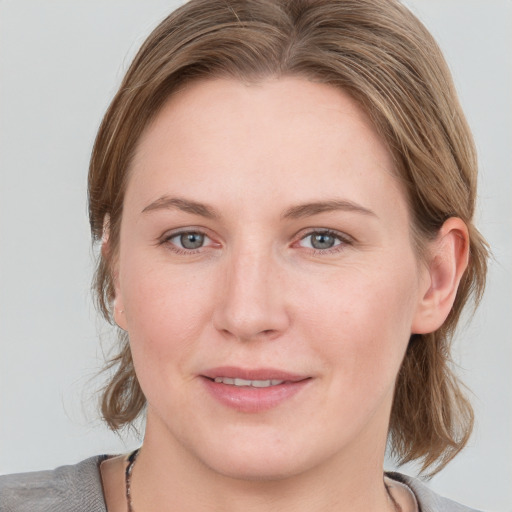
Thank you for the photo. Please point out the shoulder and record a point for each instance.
(65, 489)
(427, 499)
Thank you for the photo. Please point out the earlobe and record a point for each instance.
(448, 259)
(119, 316)
(106, 254)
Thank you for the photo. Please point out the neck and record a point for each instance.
(167, 477)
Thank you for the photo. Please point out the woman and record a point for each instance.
(284, 194)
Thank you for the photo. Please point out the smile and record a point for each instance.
(253, 390)
(249, 383)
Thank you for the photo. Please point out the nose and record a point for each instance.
(251, 303)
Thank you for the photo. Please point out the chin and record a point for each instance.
(259, 470)
(250, 460)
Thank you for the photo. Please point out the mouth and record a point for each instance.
(252, 377)
(253, 390)
(249, 383)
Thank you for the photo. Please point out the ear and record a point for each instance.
(110, 260)
(448, 259)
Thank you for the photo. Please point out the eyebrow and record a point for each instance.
(185, 205)
(309, 209)
(294, 212)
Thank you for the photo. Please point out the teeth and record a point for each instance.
(251, 383)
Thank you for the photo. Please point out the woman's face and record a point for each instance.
(265, 238)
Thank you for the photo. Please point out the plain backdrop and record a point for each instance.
(60, 64)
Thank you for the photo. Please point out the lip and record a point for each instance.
(253, 374)
(250, 399)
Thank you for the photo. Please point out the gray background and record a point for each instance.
(60, 63)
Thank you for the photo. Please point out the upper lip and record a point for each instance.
(234, 372)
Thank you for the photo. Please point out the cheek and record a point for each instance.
(166, 310)
(361, 321)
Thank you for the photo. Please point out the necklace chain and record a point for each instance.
(128, 480)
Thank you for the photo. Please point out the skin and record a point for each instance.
(258, 294)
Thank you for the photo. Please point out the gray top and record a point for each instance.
(78, 488)
(74, 488)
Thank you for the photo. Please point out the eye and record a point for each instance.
(186, 242)
(189, 240)
(324, 241)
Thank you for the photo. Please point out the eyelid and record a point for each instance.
(168, 235)
(343, 238)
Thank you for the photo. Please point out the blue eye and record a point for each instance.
(188, 240)
(191, 240)
(321, 240)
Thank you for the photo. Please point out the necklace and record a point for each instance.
(128, 478)
(133, 457)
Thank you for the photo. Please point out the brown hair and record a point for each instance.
(378, 52)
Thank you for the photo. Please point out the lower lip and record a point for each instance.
(250, 399)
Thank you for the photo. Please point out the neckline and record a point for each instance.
(399, 488)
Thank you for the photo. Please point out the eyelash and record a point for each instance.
(181, 251)
(343, 239)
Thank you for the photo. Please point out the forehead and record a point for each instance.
(285, 137)
(210, 106)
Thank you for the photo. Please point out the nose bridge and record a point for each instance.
(253, 301)
(249, 275)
